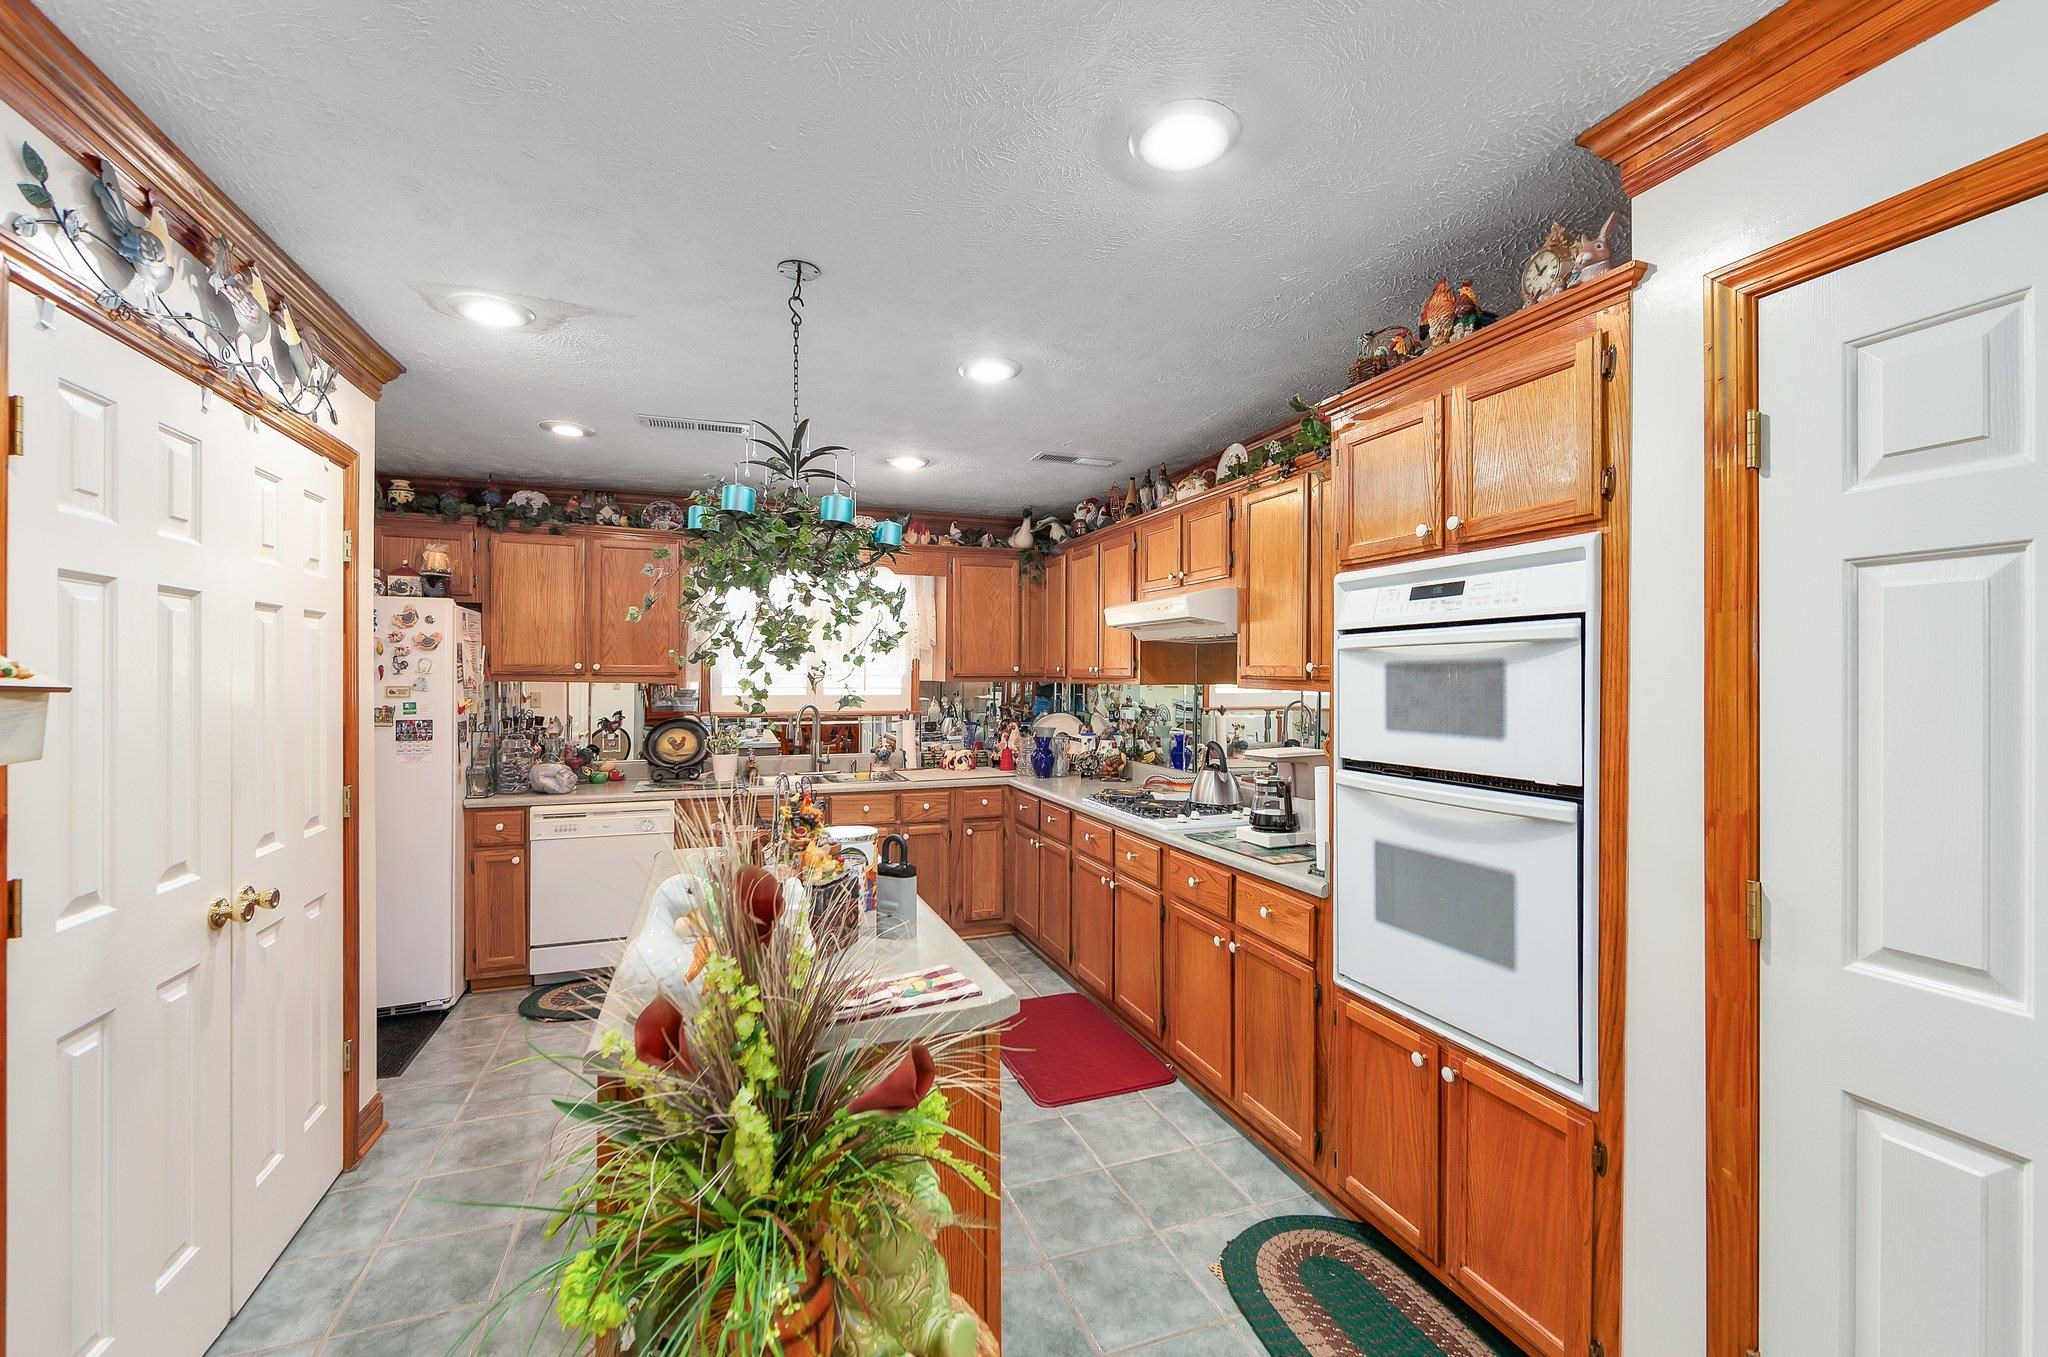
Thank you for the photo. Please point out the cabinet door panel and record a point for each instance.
(1523, 450)
(1055, 915)
(1276, 1044)
(982, 622)
(534, 626)
(1518, 1206)
(620, 649)
(1140, 986)
(1159, 555)
(1022, 853)
(1084, 612)
(1388, 484)
(1198, 998)
(1383, 1123)
(1053, 620)
(496, 915)
(1094, 944)
(931, 851)
(395, 542)
(980, 884)
(1207, 555)
(1273, 638)
(1119, 585)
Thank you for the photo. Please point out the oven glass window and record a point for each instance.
(1463, 698)
(1460, 905)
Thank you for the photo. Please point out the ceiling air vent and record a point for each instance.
(678, 424)
(1069, 459)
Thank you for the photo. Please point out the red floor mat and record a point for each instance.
(1063, 1049)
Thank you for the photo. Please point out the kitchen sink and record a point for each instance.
(862, 777)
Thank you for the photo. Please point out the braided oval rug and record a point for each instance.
(1317, 1286)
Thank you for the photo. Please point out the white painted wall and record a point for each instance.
(1962, 95)
(71, 186)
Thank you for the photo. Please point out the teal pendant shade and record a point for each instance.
(735, 497)
(698, 519)
(888, 533)
(836, 511)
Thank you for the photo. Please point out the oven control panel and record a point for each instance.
(1441, 600)
(1556, 577)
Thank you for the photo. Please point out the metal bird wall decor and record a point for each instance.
(244, 350)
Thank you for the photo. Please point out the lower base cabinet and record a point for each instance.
(1274, 1001)
(978, 881)
(1055, 914)
(930, 849)
(1094, 927)
(1140, 982)
(1472, 1169)
(495, 917)
(1200, 1037)
(1023, 891)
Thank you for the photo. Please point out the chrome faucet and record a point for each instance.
(817, 734)
(1315, 730)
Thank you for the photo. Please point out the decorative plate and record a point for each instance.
(662, 515)
(1233, 457)
(677, 744)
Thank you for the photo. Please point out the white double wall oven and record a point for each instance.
(1466, 800)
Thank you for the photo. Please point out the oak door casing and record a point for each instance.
(1389, 492)
(398, 541)
(979, 884)
(1207, 554)
(1274, 1002)
(1273, 633)
(1518, 1205)
(1021, 851)
(1202, 1037)
(618, 648)
(534, 626)
(1094, 918)
(1140, 979)
(1385, 1126)
(983, 618)
(1055, 908)
(1119, 649)
(1524, 443)
(1083, 569)
(495, 916)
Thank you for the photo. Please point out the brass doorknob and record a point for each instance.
(220, 914)
(252, 900)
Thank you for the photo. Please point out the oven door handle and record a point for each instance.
(1449, 796)
(1444, 640)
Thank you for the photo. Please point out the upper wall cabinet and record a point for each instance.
(1045, 621)
(1511, 433)
(1119, 576)
(983, 618)
(400, 539)
(1187, 548)
(622, 649)
(558, 606)
(1274, 627)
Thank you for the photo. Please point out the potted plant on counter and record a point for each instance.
(757, 1182)
(728, 742)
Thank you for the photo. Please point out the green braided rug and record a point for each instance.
(1316, 1286)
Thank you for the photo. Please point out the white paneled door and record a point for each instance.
(1904, 1056)
(174, 1088)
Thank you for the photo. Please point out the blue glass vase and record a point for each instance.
(1041, 755)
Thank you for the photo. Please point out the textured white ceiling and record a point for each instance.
(960, 170)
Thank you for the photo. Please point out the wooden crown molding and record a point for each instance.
(1782, 62)
(45, 78)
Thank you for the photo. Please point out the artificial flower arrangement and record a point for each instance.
(757, 1182)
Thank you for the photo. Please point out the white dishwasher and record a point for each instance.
(591, 865)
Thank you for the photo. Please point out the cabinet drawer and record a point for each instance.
(496, 828)
(1284, 920)
(1092, 839)
(924, 808)
(1136, 858)
(1198, 882)
(867, 808)
(1024, 809)
(1054, 822)
(979, 803)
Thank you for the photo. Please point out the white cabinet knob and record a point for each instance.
(1265, 912)
(1450, 1075)
(927, 806)
(1233, 948)
(1453, 522)
(970, 831)
(499, 827)
(1193, 882)
(515, 859)
(1415, 1057)
(579, 664)
(595, 667)
(1216, 939)
(1422, 529)
(1130, 856)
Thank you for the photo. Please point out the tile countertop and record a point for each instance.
(1071, 792)
(934, 945)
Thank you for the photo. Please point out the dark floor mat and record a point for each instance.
(400, 1038)
(566, 1000)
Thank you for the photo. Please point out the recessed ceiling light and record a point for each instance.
(493, 313)
(566, 428)
(989, 370)
(909, 463)
(1185, 135)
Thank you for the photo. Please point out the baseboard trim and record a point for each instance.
(370, 1127)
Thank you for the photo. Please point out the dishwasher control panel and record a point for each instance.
(596, 823)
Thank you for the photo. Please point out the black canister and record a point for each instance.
(895, 890)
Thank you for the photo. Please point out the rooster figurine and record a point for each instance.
(1438, 313)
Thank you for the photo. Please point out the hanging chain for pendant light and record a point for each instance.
(797, 271)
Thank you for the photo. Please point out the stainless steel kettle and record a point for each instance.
(1214, 786)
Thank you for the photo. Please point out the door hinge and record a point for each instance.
(1596, 1349)
(1608, 357)
(1599, 1159)
(1319, 994)
(1607, 483)
(1753, 439)
(348, 1056)
(1319, 1142)
(17, 412)
(1753, 910)
(348, 801)
(14, 907)
(348, 545)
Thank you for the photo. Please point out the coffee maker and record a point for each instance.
(1273, 822)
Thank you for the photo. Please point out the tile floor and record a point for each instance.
(1112, 1211)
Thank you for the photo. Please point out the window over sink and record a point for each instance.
(882, 683)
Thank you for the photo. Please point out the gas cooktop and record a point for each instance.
(1179, 811)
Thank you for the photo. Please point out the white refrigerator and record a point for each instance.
(424, 716)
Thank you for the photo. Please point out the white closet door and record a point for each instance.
(285, 761)
(1904, 1056)
(122, 582)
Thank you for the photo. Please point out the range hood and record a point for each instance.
(1200, 615)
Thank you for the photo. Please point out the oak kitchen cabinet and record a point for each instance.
(1187, 548)
(1093, 905)
(1140, 915)
(1389, 483)
(1198, 996)
(983, 623)
(494, 899)
(399, 539)
(1275, 629)
(1045, 620)
(1021, 865)
(1082, 566)
(558, 604)
(978, 875)
(1119, 584)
